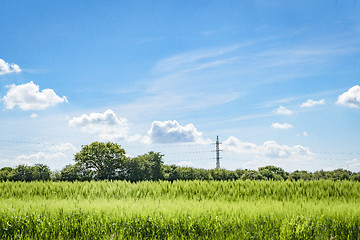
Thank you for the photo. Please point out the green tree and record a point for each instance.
(340, 174)
(355, 177)
(22, 173)
(148, 166)
(41, 172)
(300, 175)
(5, 173)
(171, 172)
(274, 173)
(76, 172)
(321, 175)
(251, 175)
(103, 160)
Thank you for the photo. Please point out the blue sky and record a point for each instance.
(277, 81)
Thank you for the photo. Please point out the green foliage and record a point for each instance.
(39, 172)
(5, 173)
(76, 172)
(145, 167)
(104, 160)
(300, 175)
(251, 175)
(273, 173)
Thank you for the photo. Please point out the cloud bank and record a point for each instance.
(269, 149)
(28, 97)
(6, 68)
(351, 98)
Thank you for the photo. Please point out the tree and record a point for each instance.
(5, 173)
(148, 166)
(274, 173)
(76, 172)
(251, 175)
(22, 173)
(340, 174)
(41, 172)
(171, 172)
(300, 175)
(103, 160)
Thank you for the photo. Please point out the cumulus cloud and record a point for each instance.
(28, 97)
(283, 111)
(233, 144)
(6, 68)
(311, 103)
(351, 98)
(173, 132)
(282, 125)
(269, 149)
(106, 125)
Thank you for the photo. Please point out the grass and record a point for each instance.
(180, 210)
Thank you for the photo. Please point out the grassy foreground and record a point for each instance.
(180, 210)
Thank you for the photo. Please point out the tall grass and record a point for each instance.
(214, 190)
(180, 210)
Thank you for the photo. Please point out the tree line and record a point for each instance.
(108, 161)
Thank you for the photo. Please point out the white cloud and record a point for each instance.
(173, 132)
(28, 97)
(235, 145)
(269, 149)
(282, 125)
(63, 147)
(305, 134)
(6, 68)
(33, 115)
(274, 150)
(351, 98)
(106, 125)
(283, 111)
(311, 103)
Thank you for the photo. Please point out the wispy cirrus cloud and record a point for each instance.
(188, 60)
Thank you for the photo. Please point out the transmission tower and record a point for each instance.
(217, 153)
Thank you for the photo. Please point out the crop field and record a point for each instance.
(180, 210)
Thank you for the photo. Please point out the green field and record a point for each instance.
(180, 210)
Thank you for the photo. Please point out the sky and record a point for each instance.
(276, 81)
